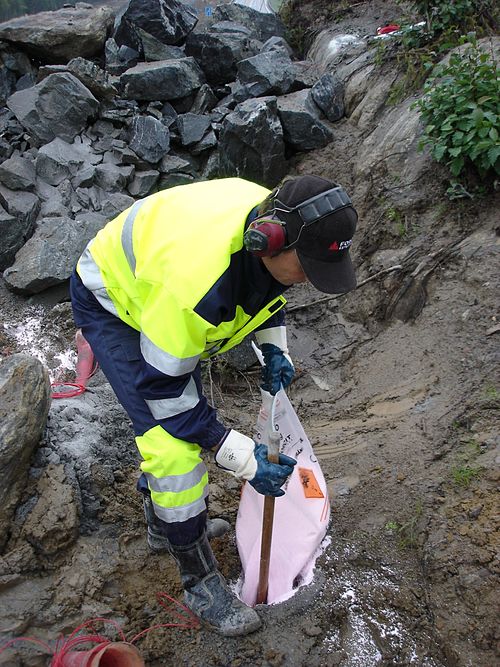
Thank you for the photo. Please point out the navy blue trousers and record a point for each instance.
(116, 347)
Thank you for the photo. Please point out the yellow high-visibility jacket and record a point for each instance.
(174, 268)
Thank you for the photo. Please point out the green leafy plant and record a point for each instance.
(392, 526)
(455, 16)
(419, 44)
(460, 110)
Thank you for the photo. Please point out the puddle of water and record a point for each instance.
(372, 630)
(29, 339)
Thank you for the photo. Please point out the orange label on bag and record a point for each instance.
(310, 484)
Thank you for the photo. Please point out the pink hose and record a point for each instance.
(86, 366)
(109, 654)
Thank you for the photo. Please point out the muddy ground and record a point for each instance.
(398, 391)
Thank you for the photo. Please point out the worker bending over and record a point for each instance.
(181, 276)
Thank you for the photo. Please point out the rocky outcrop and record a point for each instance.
(24, 405)
(154, 101)
(56, 37)
(53, 521)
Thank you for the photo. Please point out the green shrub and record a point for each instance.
(460, 108)
(459, 16)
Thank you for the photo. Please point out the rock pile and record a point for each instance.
(101, 110)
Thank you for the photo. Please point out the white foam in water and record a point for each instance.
(28, 338)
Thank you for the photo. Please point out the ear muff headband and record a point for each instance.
(266, 237)
(313, 209)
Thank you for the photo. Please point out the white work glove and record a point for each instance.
(240, 456)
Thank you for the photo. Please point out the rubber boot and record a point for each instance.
(159, 543)
(207, 594)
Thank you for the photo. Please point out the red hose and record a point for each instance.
(385, 30)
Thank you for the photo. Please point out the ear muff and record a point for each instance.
(264, 238)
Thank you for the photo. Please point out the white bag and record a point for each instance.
(300, 516)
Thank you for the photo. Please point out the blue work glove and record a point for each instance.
(278, 369)
(239, 455)
(270, 477)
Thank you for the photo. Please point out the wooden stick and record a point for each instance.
(267, 526)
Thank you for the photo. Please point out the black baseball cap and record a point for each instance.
(320, 223)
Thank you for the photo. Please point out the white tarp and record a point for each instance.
(259, 5)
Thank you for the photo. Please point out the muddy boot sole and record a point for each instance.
(219, 610)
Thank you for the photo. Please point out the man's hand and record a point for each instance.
(239, 455)
(278, 369)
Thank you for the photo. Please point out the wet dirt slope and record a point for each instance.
(397, 388)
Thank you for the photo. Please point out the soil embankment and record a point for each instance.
(397, 388)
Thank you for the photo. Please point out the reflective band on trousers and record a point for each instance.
(163, 408)
(177, 477)
(178, 514)
(177, 483)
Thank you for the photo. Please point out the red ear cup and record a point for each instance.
(265, 238)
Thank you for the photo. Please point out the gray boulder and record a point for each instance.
(14, 233)
(302, 127)
(59, 106)
(91, 75)
(219, 52)
(267, 73)
(7, 83)
(263, 26)
(113, 178)
(118, 59)
(153, 49)
(18, 173)
(16, 61)
(251, 143)
(163, 80)
(205, 100)
(328, 93)
(171, 164)
(306, 74)
(21, 204)
(59, 160)
(277, 44)
(115, 203)
(50, 255)
(192, 128)
(58, 36)
(144, 183)
(24, 405)
(209, 141)
(168, 21)
(149, 138)
(53, 203)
